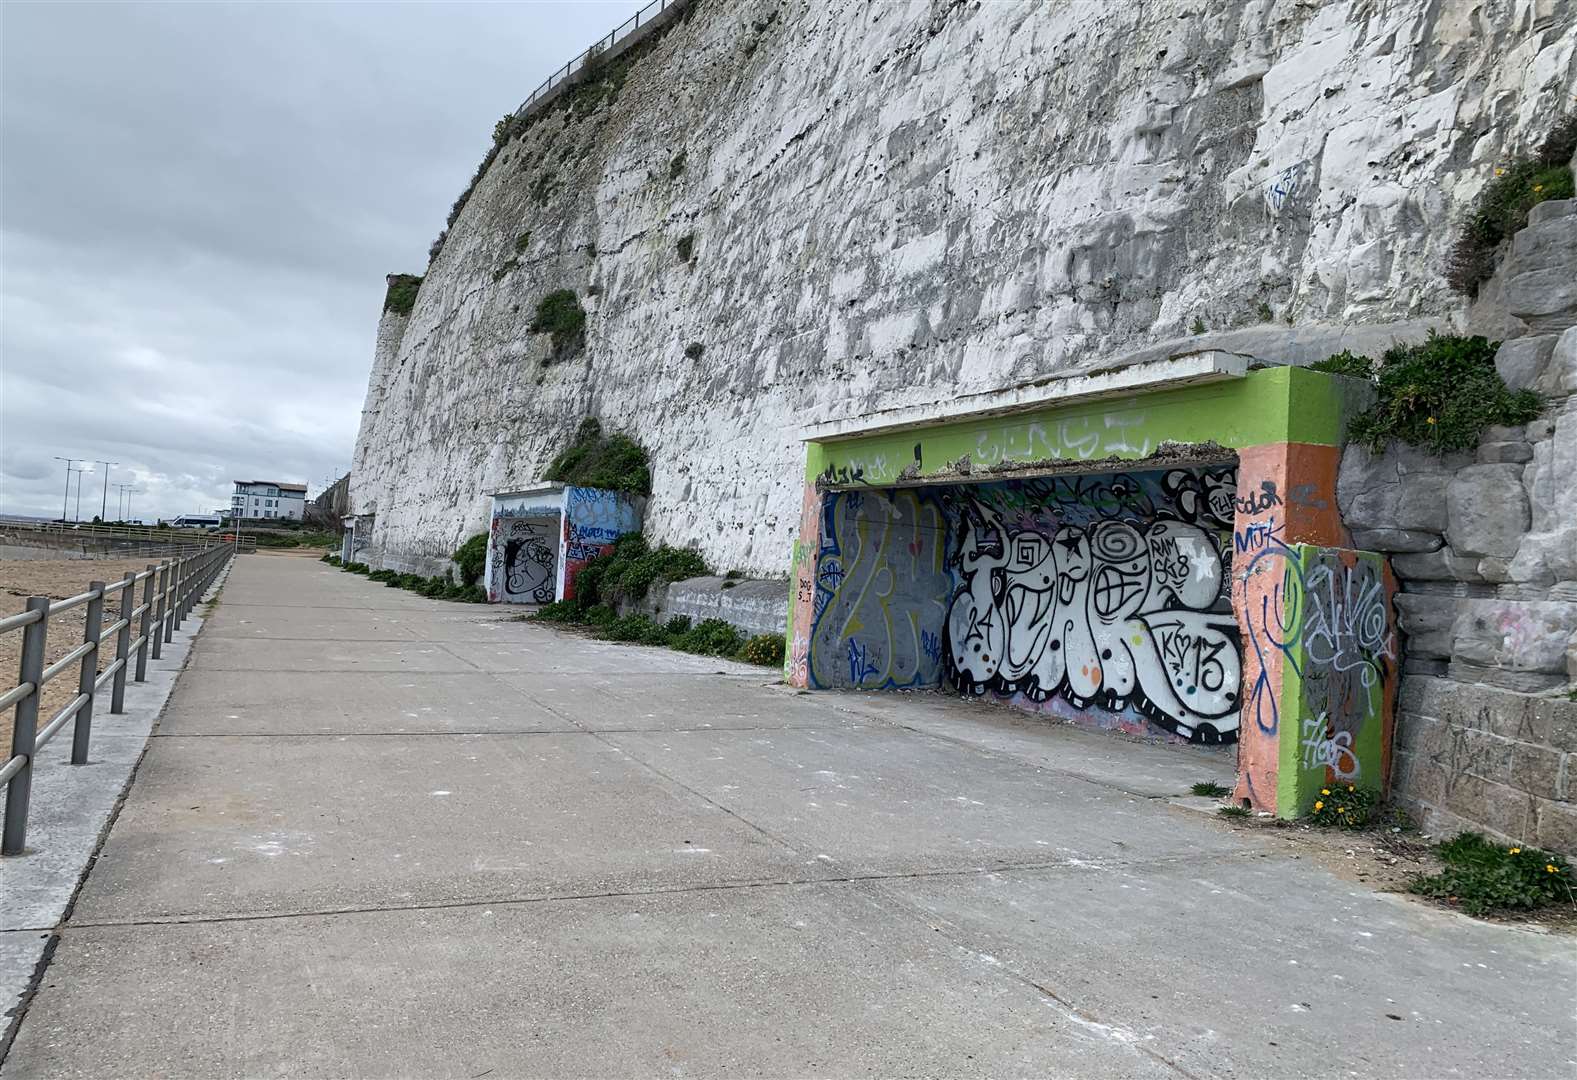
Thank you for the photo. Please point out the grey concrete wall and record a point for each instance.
(751, 606)
(1488, 759)
(892, 204)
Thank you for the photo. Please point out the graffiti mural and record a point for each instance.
(1106, 591)
(593, 519)
(1325, 618)
(525, 566)
(881, 591)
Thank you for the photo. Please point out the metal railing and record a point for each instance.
(641, 18)
(169, 592)
(174, 538)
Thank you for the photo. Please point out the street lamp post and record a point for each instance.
(104, 508)
(65, 499)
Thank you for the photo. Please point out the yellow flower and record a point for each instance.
(1514, 851)
(1538, 187)
(1319, 804)
(1550, 867)
(1431, 420)
(1325, 791)
(1341, 809)
(1351, 788)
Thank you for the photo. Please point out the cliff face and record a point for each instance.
(894, 203)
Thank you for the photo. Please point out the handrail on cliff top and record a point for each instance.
(619, 33)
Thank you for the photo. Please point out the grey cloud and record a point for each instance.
(200, 204)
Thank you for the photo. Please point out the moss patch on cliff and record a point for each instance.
(1502, 207)
(559, 313)
(401, 297)
(615, 462)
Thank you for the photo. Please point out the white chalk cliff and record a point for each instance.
(895, 202)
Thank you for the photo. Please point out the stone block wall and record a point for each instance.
(1484, 546)
(1484, 758)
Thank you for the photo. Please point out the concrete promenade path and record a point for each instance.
(376, 835)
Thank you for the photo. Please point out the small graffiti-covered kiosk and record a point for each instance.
(1155, 549)
(538, 538)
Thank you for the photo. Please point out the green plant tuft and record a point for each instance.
(627, 573)
(1346, 363)
(613, 462)
(1198, 326)
(522, 242)
(1343, 806)
(401, 297)
(677, 165)
(471, 558)
(686, 247)
(559, 313)
(1439, 395)
(1208, 789)
(1483, 877)
(1234, 811)
(694, 350)
(764, 649)
(709, 637)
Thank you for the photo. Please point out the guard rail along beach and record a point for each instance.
(169, 590)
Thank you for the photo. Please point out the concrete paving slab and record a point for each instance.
(71, 804)
(235, 826)
(278, 622)
(240, 654)
(698, 700)
(781, 981)
(350, 703)
(1144, 767)
(561, 653)
(1252, 967)
(20, 952)
(877, 800)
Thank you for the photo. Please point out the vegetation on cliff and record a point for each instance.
(559, 313)
(401, 297)
(1502, 207)
(615, 462)
(1440, 394)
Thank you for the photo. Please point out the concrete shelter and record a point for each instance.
(1155, 549)
(540, 537)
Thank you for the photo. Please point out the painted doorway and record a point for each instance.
(525, 560)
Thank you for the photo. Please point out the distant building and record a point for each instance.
(263, 499)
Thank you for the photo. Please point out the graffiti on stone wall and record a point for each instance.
(1104, 591)
(881, 590)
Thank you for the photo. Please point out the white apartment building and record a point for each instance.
(268, 499)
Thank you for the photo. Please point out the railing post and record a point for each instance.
(24, 729)
(177, 568)
(92, 622)
(128, 601)
(160, 635)
(147, 620)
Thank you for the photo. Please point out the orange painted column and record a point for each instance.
(1286, 495)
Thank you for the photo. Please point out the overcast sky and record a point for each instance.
(199, 205)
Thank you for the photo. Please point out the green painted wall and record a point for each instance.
(1271, 405)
